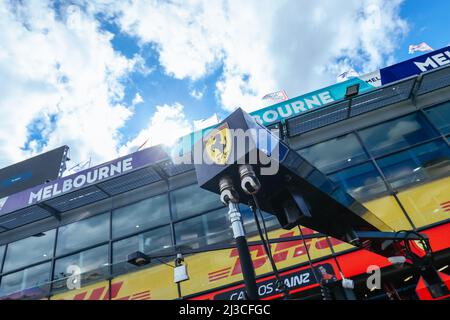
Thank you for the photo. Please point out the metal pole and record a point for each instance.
(248, 271)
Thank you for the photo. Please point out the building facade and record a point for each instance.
(387, 146)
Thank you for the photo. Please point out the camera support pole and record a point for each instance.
(229, 197)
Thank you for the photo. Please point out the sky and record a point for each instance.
(104, 77)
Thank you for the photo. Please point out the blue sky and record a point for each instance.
(428, 21)
(103, 76)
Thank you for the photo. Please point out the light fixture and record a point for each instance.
(138, 259)
(352, 91)
(180, 272)
(38, 235)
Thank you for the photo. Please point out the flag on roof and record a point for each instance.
(351, 73)
(78, 167)
(276, 96)
(423, 47)
(140, 147)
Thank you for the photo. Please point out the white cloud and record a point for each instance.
(197, 94)
(137, 99)
(61, 71)
(166, 125)
(264, 45)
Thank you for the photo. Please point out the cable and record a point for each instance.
(161, 261)
(326, 292)
(279, 283)
(309, 257)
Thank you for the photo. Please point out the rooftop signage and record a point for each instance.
(81, 179)
(415, 66)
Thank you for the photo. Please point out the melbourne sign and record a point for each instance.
(81, 179)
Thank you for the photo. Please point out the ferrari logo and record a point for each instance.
(218, 144)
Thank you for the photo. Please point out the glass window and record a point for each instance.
(140, 215)
(417, 164)
(440, 116)
(395, 134)
(249, 220)
(82, 234)
(29, 250)
(152, 242)
(192, 200)
(2, 253)
(361, 182)
(207, 229)
(31, 283)
(93, 264)
(335, 154)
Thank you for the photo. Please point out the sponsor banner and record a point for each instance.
(155, 283)
(97, 291)
(415, 66)
(81, 179)
(210, 270)
(294, 280)
(373, 78)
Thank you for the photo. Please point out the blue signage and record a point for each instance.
(415, 66)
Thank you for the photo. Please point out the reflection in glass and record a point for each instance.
(361, 182)
(192, 200)
(93, 266)
(30, 283)
(154, 242)
(82, 234)
(427, 203)
(425, 162)
(207, 229)
(249, 220)
(140, 215)
(440, 116)
(395, 134)
(29, 250)
(335, 154)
